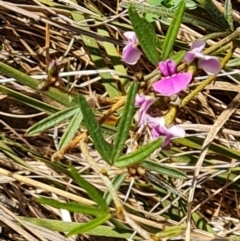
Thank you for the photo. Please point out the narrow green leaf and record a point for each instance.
(91, 190)
(164, 12)
(9, 152)
(73, 207)
(125, 122)
(228, 13)
(233, 63)
(201, 223)
(163, 169)
(196, 142)
(215, 14)
(173, 31)
(95, 131)
(138, 155)
(168, 233)
(146, 35)
(96, 56)
(52, 121)
(100, 231)
(90, 225)
(116, 182)
(71, 130)
(37, 104)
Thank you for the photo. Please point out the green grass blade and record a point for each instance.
(52, 121)
(10, 153)
(95, 131)
(71, 130)
(173, 31)
(146, 35)
(138, 155)
(91, 190)
(37, 104)
(228, 13)
(163, 169)
(72, 207)
(96, 56)
(125, 122)
(24, 79)
(90, 225)
(196, 143)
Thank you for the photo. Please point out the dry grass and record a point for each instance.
(213, 116)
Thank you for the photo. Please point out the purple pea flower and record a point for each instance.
(210, 64)
(144, 102)
(156, 124)
(172, 83)
(159, 129)
(131, 54)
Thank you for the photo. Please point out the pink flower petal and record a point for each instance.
(131, 54)
(198, 46)
(176, 131)
(167, 67)
(130, 36)
(195, 51)
(172, 85)
(211, 65)
(159, 129)
(144, 102)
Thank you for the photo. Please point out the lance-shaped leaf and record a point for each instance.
(163, 169)
(52, 120)
(139, 155)
(173, 31)
(146, 35)
(228, 13)
(94, 130)
(125, 122)
(72, 128)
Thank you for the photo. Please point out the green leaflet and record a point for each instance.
(124, 123)
(138, 155)
(71, 130)
(172, 31)
(95, 130)
(146, 35)
(52, 121)
(163, 169)
(228, 13)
